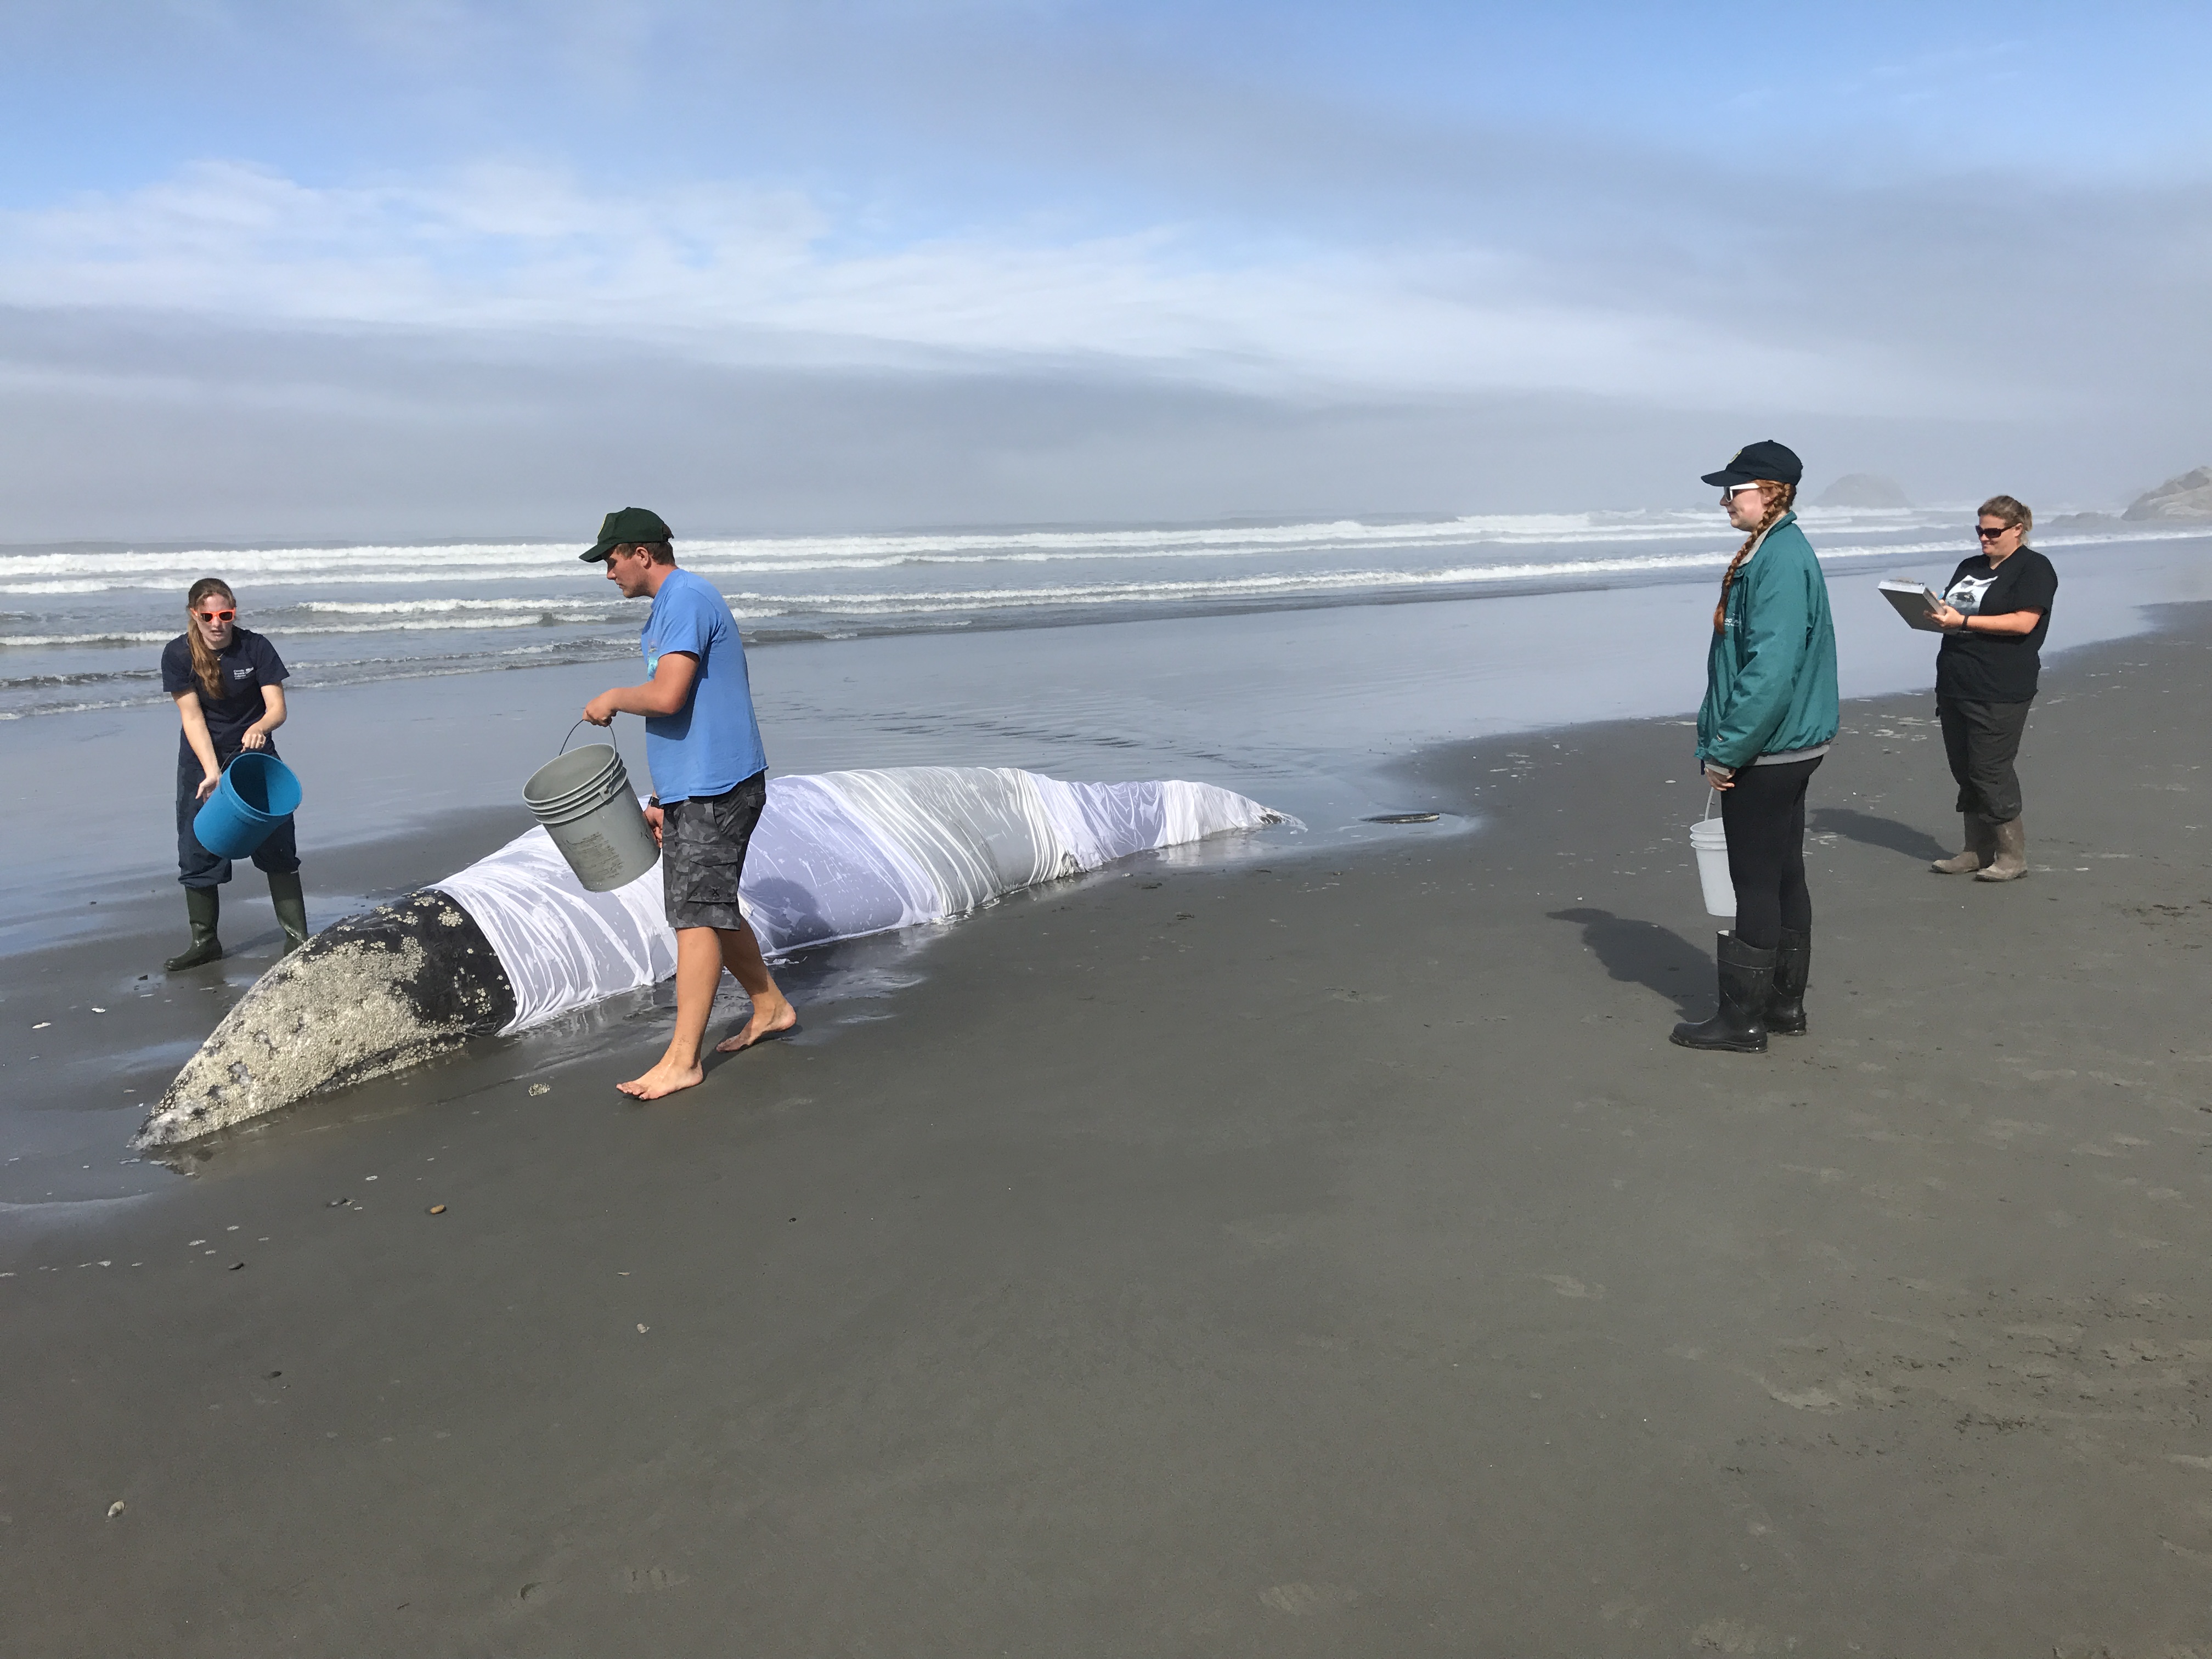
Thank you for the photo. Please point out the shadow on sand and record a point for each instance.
(1886, 833)
(1645, 953)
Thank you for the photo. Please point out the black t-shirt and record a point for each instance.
(247, 663)
(1977, 667)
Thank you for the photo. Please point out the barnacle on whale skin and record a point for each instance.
(374, 993)
(515, 940)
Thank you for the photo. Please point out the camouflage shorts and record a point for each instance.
(703, 854)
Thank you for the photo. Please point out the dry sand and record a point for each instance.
(1329, 1257)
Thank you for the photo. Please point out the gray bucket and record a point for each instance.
(584, 782)
(583, 798)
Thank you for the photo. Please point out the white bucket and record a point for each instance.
(1709, 840)
(583, 798)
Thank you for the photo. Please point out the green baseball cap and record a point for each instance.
(627, 525)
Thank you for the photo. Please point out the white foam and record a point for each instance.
(577, 611)
(108, 638)
(61, 573)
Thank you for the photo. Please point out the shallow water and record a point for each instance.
(1303, 709)
(1296, 708)
(81, 626)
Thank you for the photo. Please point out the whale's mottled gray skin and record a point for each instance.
(375, 991)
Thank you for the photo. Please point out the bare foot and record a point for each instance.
(665, 1078)
(769, 1018)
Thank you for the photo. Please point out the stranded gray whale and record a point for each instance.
(514, 941)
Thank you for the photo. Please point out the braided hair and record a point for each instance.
(1779, 497)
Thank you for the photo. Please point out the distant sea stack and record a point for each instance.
(2189, 496)
(1864, 490)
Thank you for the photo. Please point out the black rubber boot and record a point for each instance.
(291, 902)
(1793, 962)
(203, 905)
(1747, 985)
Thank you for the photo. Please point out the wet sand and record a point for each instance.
(1320, 1253)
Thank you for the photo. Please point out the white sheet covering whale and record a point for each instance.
(836, 855)
(514, 940)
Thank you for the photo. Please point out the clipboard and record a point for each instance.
(1915, 602)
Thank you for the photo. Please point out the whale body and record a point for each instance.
(514, 941)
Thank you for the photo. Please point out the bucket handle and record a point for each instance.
(564, 741)
(1711, 796)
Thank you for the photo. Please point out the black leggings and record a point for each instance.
(1765, 813)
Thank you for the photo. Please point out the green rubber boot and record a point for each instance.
(203, 905)
(291, 906)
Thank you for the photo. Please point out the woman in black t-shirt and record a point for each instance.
(228, 683)
(1996, 611)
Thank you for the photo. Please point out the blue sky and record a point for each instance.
(1045, 261)
(918, 98)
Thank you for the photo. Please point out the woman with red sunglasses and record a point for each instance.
(228, 683)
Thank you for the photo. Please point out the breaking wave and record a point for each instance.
(72, 612)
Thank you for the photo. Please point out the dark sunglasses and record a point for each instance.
(217, 615)
(1989, 535)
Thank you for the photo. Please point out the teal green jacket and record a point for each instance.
(1771, 675)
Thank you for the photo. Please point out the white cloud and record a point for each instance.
(734, 274)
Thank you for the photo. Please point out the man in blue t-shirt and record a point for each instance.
(710, 775)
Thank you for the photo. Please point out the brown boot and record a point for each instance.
(1981, 849)
(2011, 861)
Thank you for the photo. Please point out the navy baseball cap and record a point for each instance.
(1764, 460)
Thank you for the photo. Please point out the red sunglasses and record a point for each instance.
(217, 615)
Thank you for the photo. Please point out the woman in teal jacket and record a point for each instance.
(1770, 714)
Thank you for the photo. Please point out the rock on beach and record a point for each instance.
(2187, 497)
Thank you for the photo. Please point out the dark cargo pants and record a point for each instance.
(1981, 741)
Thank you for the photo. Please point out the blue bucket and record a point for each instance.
(257, 793)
